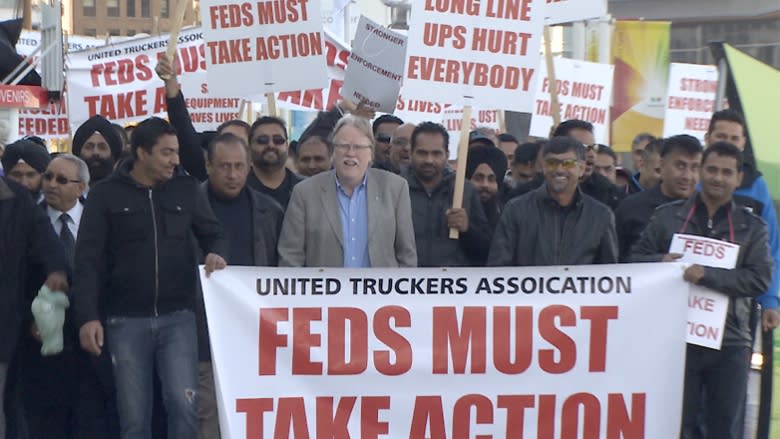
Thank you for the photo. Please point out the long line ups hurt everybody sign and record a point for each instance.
(485, 50)
(549, 352)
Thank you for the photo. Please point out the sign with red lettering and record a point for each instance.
(375, 66)
(584, 92)
(253, 48)
(473, 352)
(321, 99)
(453, 118)
(566, 11)
(487, 51)
(706, 308)
(119, 83)
(690, 99)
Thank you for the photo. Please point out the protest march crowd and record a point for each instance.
(122, 223)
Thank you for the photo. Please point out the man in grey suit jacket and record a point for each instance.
(352, 216)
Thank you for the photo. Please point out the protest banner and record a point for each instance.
(584, 92)
(452, 119)
(448, 353)
(119, 82)
(640, 54)
(270, 45)
(566, 11)
(486, 51)
(690, 99)
(706, 308)
(321, 99)
(375, 66)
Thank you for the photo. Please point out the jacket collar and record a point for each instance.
(545, 196)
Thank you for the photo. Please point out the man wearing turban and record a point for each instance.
(99, 145)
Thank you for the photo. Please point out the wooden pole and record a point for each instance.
(501, 121)
(178, 20)
(555, 106)
(460, 173)
(271, 98)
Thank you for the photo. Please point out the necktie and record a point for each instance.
(67, 238)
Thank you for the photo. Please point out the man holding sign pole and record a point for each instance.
(720, 374)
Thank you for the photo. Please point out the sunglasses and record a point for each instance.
(60, 179)
(382, 138)
(554, 163)
(266, 140)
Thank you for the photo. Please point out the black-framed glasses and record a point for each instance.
(266, 140)
(60, 179)
(382, 138)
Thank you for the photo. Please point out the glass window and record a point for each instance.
(164, 8)
(130, 32)
(131, 8)
(90, 32)
(89, 8)
(144, 8)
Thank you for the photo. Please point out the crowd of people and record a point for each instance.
(122, 224)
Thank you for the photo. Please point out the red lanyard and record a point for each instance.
(728, 215)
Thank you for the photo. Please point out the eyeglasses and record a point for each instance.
(400, 141)
(60, 179)
(596, 147)
(266, 140)
(382, 138)
(352, 146)
(554, 163)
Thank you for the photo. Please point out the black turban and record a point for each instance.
(28, 151)
(491, 156)
(103, 126)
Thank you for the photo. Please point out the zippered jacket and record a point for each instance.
(135, 255)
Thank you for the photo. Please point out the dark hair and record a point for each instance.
(562, 145)
(148, 132)
(605, 149)
(684, 143)
(727, 115)
(566, 127)
(385, 118)
(642, 137)
(322, 137)
(267, 120)
(431, 128)
(227, 138)
(506, 137)
(654, 146)
(526, 153)
(234, 122)
(122, 133)
(725, 149)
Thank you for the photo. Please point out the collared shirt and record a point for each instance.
(354, 225)
(75, 218)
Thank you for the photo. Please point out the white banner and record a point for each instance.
(263, 47)
(549, 352)
(566, 11)
(119, 82)
(690, 99)
(485, 51)
(706, 308)
(584, 92)
(375, 66)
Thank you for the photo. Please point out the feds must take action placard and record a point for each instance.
(382, 353)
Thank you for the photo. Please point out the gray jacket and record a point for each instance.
(752, 274)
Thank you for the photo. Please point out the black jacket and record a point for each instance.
(754, 264)
(601, 189)
(26, 237)
(535, 230)
(434, 246)
(633, 214)
(134, 253)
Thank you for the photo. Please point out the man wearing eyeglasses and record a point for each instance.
(383, 128)
(269, 149)
(556, 224)
(400, 148)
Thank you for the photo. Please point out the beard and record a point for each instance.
(264, 159)
(99, 168)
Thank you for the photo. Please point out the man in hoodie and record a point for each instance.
(135, 262)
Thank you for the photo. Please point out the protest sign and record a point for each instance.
(375, 66)
(690, 100)
(706, 308)
(263, 47)
(566, 11)
(304, 353)
(452, 119)
(584, 92)
(119, 82)
(487, 51)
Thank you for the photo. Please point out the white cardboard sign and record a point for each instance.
(566, 11)
(690, 99)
